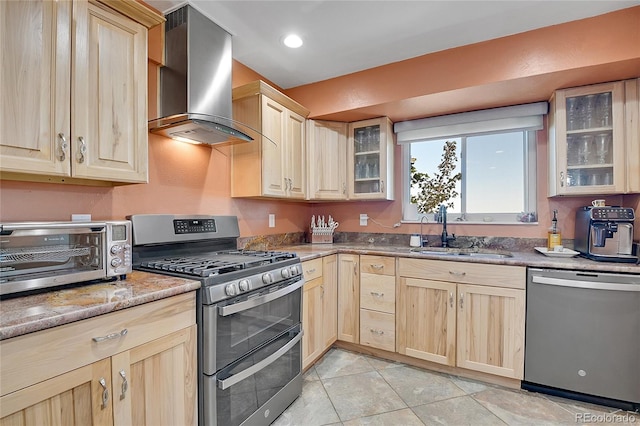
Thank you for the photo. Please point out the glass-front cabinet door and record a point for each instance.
(586, 146)
(370, 154)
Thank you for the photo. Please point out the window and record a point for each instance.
(497, 180)
(481, 164)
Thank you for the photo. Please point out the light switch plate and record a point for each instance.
(363, 219)
(272, 220)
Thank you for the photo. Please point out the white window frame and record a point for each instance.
(527, 118)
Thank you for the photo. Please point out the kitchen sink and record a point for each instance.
(449, 251)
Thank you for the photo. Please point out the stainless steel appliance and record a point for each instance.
(582, 336)
(195, 84)
(605, 233)
(248, 314)
(37, 255)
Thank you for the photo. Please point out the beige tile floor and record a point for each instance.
(346, 388)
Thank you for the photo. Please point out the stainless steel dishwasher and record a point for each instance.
(582, 336)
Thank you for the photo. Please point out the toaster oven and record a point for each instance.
(37, 255)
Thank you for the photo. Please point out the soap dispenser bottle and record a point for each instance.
(554, 237)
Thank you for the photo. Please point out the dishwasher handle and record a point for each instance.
(585, 284)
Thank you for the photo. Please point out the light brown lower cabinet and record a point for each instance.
(319, 305)
(378, 302)
(467, 315)
(349, 298)
(149, 378)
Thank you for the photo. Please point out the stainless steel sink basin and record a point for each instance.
(446, 251)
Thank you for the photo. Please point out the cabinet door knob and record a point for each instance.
(451, 299)
(62, 147)
(125, 385)
(461, 300)
(82, 151)
(105, 392)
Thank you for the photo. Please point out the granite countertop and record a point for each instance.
(530, 257)
(30, 313)
(26, 314)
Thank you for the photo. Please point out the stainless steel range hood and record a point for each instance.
(195, 84)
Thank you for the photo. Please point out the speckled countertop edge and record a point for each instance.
(530, 258)
(30, 313)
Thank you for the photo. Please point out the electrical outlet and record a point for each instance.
(272, 220)
(363, 219)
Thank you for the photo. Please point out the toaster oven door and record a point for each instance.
(34, 256)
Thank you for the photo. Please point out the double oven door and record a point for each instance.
(250, 355)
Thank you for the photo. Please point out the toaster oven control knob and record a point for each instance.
(267, 278)
(284, 273)
(115, 249)
(231, 290)
(116, 261)
(244, 285)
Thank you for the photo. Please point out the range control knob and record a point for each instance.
(267, 278)
(231, 290)
(295, 270)
(115, 249)
(285, 273)
(244, 285)
(116, 261)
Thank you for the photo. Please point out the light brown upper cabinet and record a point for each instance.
(275, 165)
(593, 140)
(327, 160)
(370, 160)
(632, 133)
(74, 91)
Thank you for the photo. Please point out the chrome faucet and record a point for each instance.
(442, 217)
(423, 240)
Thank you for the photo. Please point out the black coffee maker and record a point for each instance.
(605, 233)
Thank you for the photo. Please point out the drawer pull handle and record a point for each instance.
(377, 267)
(111, 336)
(311, 271)
(451, 299)
(376, 294)
(376, 332)
(125, 384)
(105, 392)
(460, 274)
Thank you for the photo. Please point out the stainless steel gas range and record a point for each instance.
(249, 314)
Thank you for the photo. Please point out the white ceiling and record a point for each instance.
(343, 37)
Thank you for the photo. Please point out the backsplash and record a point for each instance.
(271, 242)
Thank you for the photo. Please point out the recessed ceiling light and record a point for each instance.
(292, 40)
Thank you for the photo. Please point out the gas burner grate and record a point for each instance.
(201, 267)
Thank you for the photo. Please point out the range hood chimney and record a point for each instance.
(195, 84)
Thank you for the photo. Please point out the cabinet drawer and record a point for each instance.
(312, 269)
(378, 293)
(35, 357)
(378, 330)
(464, 272)
(380, 265)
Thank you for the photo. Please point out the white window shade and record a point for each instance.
(505, 119)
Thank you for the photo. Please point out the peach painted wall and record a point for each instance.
(186, 178)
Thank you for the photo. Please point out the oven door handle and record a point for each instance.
(238, 377)
(261, 300)
(585, 284)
